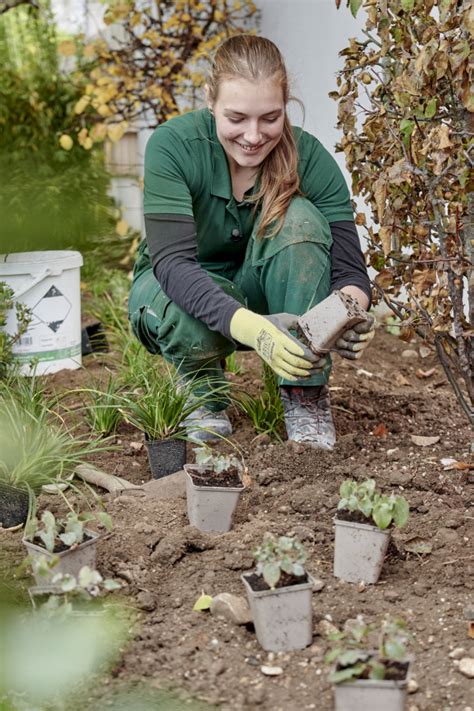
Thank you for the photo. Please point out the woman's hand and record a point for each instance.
(269, 336)
(354, 341)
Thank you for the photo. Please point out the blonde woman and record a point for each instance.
(249, 223)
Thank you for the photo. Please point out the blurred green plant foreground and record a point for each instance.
(49, 198)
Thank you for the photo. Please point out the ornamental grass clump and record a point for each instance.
(354, 657)
(370, 506)
(280, 559)
(266, 410)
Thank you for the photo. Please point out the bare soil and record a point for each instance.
(165, 564)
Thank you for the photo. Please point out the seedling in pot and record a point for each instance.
(213, 486)
(68, 593)
(363, 525)
(62, 546)
(368, 678)
(279, 594)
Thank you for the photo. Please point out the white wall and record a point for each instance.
(310, 34)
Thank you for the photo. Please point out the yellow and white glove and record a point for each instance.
(269, 336)
(355, 340)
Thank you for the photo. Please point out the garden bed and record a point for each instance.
(165, 564)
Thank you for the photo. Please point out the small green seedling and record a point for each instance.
(353, 658)
(383, 510)
(279, 555)
(69, 531)
(217, 463)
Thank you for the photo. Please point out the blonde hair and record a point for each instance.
(255, 59)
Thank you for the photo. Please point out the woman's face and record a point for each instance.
(249, 119)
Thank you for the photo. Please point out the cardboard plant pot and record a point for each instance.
(70, 561)
(210, 508)
(282, 617)
(14, 505)
(165, 456)
(359, 551)
(371, 694)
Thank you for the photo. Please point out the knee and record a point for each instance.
(304, 221)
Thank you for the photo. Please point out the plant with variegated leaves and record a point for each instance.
(406, 110)
(275, 556)
(352, 654)
(378, 508)
(69, 531)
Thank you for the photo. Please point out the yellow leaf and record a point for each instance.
(81, 104)
(88, 143)
(89, 51)
(202, 603)
(67, 48)
(66, 142)
(115, 131)
(99, 132)
(121, 227)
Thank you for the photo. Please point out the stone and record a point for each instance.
(264, 477)
(271, 671)
(232, 607)
(318, 585)
(255, 696)
(466, 667)
(445, 536)
(410, 354)
(400, 477)
(457, 653)
(391, 595)
(412, 686)
(146, 601)
(324, 628)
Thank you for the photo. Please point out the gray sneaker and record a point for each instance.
(203, 425)
(308, 416)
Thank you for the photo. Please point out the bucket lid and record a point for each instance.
(19, 262)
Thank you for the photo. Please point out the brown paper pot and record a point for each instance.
(371, 695)
(359, 551)
(211, 508)
(70, 561)
(14, 505)
(282, 617)
(165, 456)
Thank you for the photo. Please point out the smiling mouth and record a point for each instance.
(250, 149)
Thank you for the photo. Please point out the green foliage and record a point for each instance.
(217, 463)
(352, 654)
(102, 412)
(69, 531)
(378, 508)
(279, 555)
(7, 340)
(266, 410)
(50, 198)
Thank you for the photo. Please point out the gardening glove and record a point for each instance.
(270, 338)
(354, 341)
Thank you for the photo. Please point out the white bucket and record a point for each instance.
(48, 284)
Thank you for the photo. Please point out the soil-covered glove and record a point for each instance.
(354, 341)
(270, 338)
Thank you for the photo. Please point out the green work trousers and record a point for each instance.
(289, 273)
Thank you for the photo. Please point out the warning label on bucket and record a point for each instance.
(52, 309)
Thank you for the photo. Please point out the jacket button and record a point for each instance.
(235, 235)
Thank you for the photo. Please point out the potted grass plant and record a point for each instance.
(213, 487)
(34, 451)
(367, 678)
(159, 408)
(62, 545)
(279, 592)
(363, 526)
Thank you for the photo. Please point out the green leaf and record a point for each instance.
(382, 516)
(351, 656)
(88, 576)
(202, 603)
(377, 670)
(346, 489)
(271, 574)
(350, 673)
(408, 5)
(68, 538)
(430, 109)
(68, 583)
(394, 649)
(365, 506)
(48, 539)
(401, 511)
(105, 519)
(355, 6)
(110, 584)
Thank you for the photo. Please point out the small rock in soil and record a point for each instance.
(400, 478)
(318, 585)
(232, 607)
(146, 601)
(325, 628)
(391, 595)
(271, 671)
(466, 667)
(315, 652)
(445, 536)
(457, 653)
(410, 354)
(412, 686)
(255, 696)
(264, 477)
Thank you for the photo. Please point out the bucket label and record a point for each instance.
(52, 309)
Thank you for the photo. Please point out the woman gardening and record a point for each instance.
(249, 224)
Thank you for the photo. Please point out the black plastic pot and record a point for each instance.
(166, 456)
(94, 339)
(14, 505)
